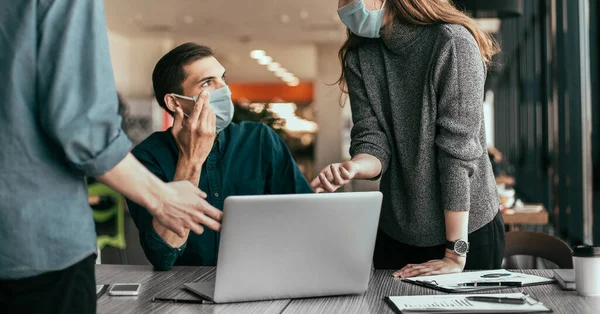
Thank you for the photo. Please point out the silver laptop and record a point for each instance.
(294, 246)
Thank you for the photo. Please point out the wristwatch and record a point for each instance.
(460, 246)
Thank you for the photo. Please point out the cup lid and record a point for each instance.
(586, 251)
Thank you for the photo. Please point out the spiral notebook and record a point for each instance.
(453, 282)
(455, 303)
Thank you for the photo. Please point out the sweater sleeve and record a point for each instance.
(367, 135)
(459, 82)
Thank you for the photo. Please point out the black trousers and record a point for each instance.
(486, 249)
(71, 290)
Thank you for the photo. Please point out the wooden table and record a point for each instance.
(513, 220)
(169, 284)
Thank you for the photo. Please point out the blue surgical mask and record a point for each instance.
(360, 21)
(221, 104)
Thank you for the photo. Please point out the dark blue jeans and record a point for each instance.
(71, 290)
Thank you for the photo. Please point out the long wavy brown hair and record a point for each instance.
(424, 12)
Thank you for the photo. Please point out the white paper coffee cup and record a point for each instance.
(586, 261)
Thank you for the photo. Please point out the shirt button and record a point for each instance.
(216, 194)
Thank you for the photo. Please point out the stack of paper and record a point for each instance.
(460, 304)
(455, 282)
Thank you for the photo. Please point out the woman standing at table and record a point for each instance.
(415, 73)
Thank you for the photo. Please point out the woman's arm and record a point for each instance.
(459, 79)
(457, 227)
(369, 166)
(336, 175)
(368, 137)
(370, 147)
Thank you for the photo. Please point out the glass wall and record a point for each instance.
(545, 109)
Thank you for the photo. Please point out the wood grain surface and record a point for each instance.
(168, 284)
(381, 285)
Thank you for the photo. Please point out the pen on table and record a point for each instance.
(492, 284)
(497, 299)
(172, 300)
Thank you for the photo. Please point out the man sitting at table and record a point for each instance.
(205, 148)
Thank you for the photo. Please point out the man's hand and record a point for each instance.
(334, 176)
(450, 263)
(177, 205)
(196, 134)
(183, 207)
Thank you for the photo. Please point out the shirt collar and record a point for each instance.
(222, 138)
(400, 37)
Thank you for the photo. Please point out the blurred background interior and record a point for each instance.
(542, 104)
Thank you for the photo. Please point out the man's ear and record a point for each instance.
(171, 103)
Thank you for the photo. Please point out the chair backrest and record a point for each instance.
(116, 213)
(539, 245)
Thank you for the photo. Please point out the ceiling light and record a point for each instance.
(285, 18)
(281, 72)
(257, 54)
(288, 79)
(273, 67)
(288, 75)
(265, 60)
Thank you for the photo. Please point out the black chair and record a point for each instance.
(538, 245)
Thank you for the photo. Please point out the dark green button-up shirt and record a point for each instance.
(247, 159)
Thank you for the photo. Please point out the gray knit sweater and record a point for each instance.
(416, 96)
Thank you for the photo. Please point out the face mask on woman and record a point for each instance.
(360, 21)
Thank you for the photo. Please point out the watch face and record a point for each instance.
(461, 247)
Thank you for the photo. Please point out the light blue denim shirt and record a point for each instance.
(58, 124)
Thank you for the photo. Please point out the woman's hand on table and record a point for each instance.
(450, 263)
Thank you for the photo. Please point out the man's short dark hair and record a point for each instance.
(169, 74)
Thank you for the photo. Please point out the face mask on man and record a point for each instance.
(221, 104)
(360, 21)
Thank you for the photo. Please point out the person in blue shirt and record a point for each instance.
(59, 124)
(205, 148)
